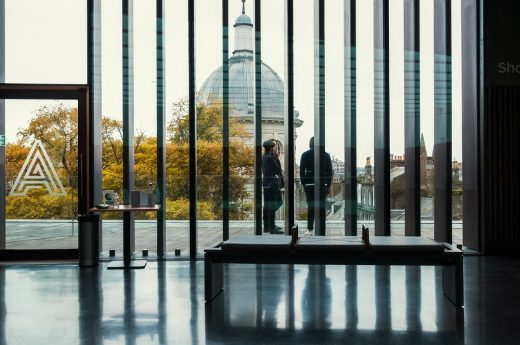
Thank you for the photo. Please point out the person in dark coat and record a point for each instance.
(272, 185)
(307, 180)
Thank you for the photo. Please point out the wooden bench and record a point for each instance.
(335, 250)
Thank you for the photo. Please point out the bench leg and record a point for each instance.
(213, 277)
(453, 282)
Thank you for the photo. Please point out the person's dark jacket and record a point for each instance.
(273, 177)
(307, 169)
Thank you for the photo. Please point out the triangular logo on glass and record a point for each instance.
(37, 172)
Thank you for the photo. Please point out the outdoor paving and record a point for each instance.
(48, 234)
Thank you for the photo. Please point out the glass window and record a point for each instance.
(209, 84)
(397, 118)
(457, 164)
(46, 41)
(365, 113)
(176, 103)
(304, 106)
(112, 121)
(427, 169)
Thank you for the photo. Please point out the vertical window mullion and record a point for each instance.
(349, 31)
(289, 114)
(94, 82)
(225, 119)
(412, 94)
(192, 130)
(381, 118)
(258, 118)
(319, 114)
(442, 121)
(128, 126)
(161, 131)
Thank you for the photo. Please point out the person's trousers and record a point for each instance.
(272, 201)
(269, 216)
(311, 206)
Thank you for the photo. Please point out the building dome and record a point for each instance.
(242, 81)
(242, 90)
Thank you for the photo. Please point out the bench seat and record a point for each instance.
(335, 250)
(330, 243)
(405, 244)
(257, 243)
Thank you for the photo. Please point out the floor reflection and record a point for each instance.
(164, 304)
(316, 299)
(312, 305)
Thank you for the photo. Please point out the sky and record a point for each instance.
(46, 43)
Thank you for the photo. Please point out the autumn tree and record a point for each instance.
(57, 129)
(209, 162)
(15, 155)
(209, 158)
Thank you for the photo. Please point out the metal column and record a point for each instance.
(128, 126)
(412, 108)
(350, 82)
(258, 117)
(381, 118)
(225, 120)
(95, 102)
(161, 131)
(319, 114)
(192, 130)
(442, 121)
(289, 115)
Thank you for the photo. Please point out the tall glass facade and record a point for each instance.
(190, 90)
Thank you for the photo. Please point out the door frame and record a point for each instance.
(80, 93)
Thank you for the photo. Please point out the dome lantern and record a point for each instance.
(243, 33)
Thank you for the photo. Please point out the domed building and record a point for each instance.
(242, 87)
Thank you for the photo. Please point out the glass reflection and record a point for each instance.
(351, 297)
(398, 298)
(413, 298)
(316, 299)
(366, 306)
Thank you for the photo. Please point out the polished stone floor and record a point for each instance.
(261, 304)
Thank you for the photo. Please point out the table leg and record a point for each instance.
(128, 227)
(128, 245)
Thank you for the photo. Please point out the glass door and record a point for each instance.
(40, 143)
(45, 169)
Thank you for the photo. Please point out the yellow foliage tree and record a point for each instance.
(57, 128)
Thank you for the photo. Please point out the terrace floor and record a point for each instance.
(50, 234)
